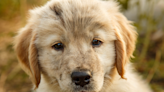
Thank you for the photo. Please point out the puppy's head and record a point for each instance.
(76, 44)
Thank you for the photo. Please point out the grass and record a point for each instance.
(149, 53)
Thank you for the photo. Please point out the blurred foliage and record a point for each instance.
(14, 8)
(149, 53)
(124, 4)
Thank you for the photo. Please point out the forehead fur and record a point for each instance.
(74, 14)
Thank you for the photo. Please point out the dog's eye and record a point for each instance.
(96, 43)
(58, 46)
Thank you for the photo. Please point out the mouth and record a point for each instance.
(86, 91)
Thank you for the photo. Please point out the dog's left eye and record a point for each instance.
(58, 46)
(96, 43)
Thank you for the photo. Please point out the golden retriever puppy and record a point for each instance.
(79, 46)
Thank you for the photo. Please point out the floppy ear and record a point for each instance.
(125, 43)
(125, 34)
(27, 53)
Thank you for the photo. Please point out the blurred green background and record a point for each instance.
(148, 17)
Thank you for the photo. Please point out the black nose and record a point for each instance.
(81, 78)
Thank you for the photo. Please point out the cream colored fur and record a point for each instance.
(75, 23)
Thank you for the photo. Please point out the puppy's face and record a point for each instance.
(76, 44)
(78, 52)
(78, 58)
(79, 62)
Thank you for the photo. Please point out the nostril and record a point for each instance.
(80, 78)
(87, 79)
(76, 81)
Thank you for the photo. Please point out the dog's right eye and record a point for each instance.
(58, 46)
(96, 43)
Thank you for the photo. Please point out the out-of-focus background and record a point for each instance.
(148, 17)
